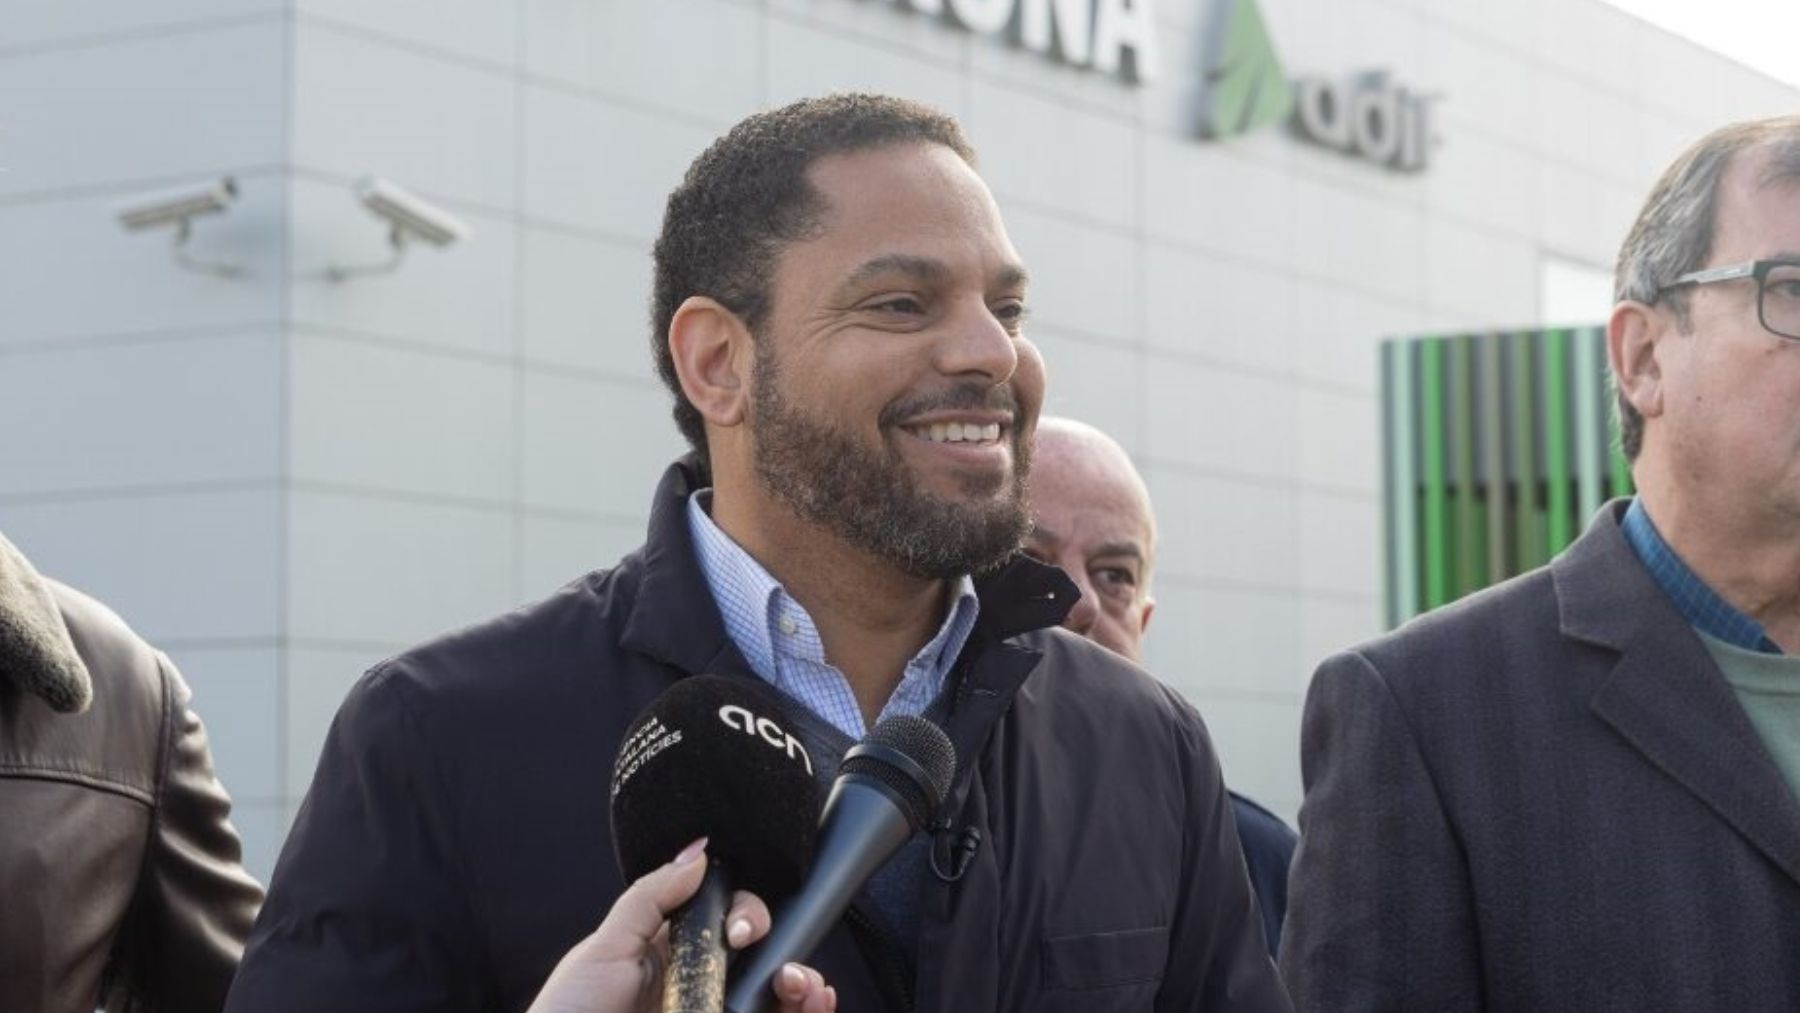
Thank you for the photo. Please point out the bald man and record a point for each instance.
(1092, 518)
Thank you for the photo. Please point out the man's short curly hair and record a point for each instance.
(747, 197)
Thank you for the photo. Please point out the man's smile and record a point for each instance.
(979, 439)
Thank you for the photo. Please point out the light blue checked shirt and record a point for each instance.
(1700, 605)
(778, 638)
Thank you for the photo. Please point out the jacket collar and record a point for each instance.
(36, 653)
(1665, 695)
(1022, 595)
(673, 616)
(675, 620)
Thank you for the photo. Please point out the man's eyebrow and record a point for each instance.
(1120, 549)
(922, 269)
(927, 270)
(1012, 276)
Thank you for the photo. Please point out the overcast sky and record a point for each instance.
(1764, 34)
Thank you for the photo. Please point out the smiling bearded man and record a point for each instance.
(868, 498)
(838, 315)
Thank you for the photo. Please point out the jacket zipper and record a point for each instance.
(885, 953)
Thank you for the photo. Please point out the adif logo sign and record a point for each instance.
(1245, 88)
(1368, 116)
(1111, 36)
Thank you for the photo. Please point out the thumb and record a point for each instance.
(640, 911)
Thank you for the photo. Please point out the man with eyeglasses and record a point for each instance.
(1580, 790)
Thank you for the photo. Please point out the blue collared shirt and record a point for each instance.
(1700, 605)
(778, 638)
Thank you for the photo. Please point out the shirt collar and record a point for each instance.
(1699, 604)
(744, 591)
(753, 604)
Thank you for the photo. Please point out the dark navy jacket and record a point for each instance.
(455, 841)
(1268, 845)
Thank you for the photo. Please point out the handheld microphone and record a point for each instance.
(885, 791)
(711, 758)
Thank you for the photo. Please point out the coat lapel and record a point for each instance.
(1020, 596)
(1665, 695)
(674, 618)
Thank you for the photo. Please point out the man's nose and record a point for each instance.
(978, 343)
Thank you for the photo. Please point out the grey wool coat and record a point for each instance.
(1544, 797)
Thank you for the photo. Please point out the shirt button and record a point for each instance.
(787, 624)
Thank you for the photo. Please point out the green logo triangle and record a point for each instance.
(1245, 87)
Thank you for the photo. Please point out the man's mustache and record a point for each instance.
(962, 397)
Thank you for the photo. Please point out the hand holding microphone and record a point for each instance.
(711, 758)
(618, 969)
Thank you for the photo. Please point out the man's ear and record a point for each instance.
(710, 346)
(1633, 341)
(1144, 623)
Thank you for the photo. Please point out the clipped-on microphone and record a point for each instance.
(886, 789)
(712, 758)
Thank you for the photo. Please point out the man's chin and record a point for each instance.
(969, 488)
(974, 495)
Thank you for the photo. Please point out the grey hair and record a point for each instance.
(1674, 230)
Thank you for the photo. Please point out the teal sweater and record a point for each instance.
(1768, 685)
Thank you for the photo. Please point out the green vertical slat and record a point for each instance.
(1493, 453)
(1402, 487)
(1528, 540)
(1390, 503)
(1435, 507)
(1475, 410)
(1466, 531)
(1558, 525)
(1590, 422)
(1479, 571)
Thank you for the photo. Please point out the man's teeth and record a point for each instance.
(958, 432)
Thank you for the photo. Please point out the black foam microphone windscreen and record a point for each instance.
(714, 757)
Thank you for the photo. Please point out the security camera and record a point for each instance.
(411, 217)
(179, 208)
(408, 217)
(176, 206)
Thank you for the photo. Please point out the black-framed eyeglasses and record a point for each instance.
(1777, 290)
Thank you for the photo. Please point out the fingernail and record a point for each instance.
(738, 931)
(792, 976)
(691, 852)
(830, 998)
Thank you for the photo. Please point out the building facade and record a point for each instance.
(281, 477)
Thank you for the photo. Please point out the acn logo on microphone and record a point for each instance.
(740, 718)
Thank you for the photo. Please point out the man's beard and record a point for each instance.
(870, 499)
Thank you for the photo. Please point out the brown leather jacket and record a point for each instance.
(120, 880)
